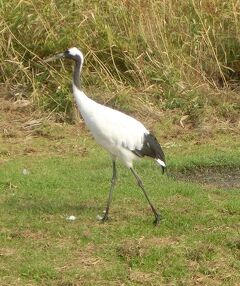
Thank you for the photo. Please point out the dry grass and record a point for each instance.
(180, 55)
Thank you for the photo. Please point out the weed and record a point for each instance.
(157, 46)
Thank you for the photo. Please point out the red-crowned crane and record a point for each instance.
(121, 135)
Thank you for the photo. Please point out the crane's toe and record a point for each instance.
(103, 218)
(99, 217)
(157, 219)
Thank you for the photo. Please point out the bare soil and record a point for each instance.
(223, 178)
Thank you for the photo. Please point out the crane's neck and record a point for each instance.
(76, 73)
(84, 103)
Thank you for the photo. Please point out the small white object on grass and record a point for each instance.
(71, 218)
(99, 217)
(25, 172)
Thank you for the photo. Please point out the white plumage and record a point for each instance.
(115, 131)
(121, 135)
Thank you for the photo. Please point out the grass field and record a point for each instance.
(175, 65)
(47, 176)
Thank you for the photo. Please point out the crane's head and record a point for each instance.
(72, 53)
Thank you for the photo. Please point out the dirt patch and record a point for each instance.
(84, 258)
(142, 277)
(213, 177)
(25, 130)
(7, 251)
(132, 248)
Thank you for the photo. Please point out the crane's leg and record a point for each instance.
(113, 182)
(140, 184)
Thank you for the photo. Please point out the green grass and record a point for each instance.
(173, 63)
(197, 240)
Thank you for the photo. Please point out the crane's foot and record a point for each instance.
(103, 218)
(157, 219)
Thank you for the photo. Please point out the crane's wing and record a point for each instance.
(150, 148)
(114, 128)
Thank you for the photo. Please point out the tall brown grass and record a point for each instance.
(175, 51)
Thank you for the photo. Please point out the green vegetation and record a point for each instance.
(175, 65)
(67, 174)
(177, 55)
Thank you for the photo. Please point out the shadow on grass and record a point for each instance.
(44, 207)
(216, 177)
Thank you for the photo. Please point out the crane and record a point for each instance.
(123, 136)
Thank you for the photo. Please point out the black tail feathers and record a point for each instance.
(152, 148)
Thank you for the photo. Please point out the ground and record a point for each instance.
(50, 171)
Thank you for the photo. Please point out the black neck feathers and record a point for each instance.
(76, 73)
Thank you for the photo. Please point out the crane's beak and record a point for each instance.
(55, 57)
